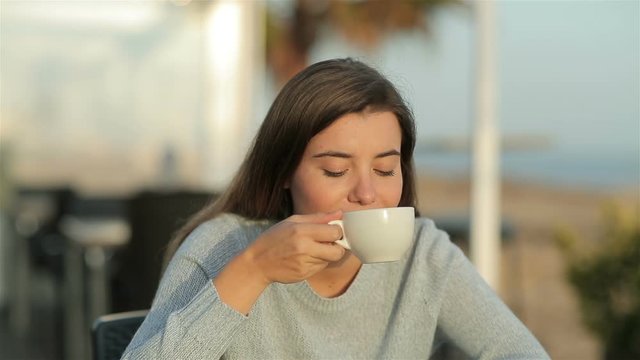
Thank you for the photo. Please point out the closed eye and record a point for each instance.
(334, 173)
(386, 173)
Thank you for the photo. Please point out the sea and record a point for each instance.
(574, 169)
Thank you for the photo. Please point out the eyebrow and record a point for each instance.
(343, 155)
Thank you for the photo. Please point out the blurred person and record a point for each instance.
(257, 274)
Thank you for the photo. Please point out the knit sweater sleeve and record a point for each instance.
(474, 318)
(187, 319)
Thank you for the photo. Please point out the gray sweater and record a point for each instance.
(396, 310)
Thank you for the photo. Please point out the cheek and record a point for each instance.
(311, 194)
(390, 192)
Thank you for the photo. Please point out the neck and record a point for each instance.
(335, 279)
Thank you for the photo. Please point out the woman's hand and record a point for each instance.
(297, 247)
(290, 251)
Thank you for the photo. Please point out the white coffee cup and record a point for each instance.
(377, 235)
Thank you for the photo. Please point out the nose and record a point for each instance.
(363, 191)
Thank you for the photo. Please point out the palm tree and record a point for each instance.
(363, 22)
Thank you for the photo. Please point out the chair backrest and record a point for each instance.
(154, 218)
(112, 333)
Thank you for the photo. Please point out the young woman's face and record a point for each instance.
(353, 164)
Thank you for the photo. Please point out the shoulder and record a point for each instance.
(433, 247)
(432, 260)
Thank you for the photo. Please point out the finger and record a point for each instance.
(317, 218)
(323, 233)
(328, 252)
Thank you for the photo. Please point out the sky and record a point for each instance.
(572, 68)
(568, 70)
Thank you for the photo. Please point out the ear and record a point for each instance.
(287, 185)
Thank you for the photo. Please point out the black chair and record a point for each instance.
(112, 333)
(154, 218)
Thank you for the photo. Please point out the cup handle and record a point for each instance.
(342, 242)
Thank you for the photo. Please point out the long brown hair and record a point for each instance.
(310, 102)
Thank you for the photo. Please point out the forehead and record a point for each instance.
(360, 131)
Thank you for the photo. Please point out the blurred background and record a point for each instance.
(120, 118)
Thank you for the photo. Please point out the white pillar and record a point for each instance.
(234, 67)
(485, 182)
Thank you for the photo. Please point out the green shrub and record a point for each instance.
(607, 282)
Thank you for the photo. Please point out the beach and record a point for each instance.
(533, 281)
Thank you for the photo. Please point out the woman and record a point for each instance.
(258, 275)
